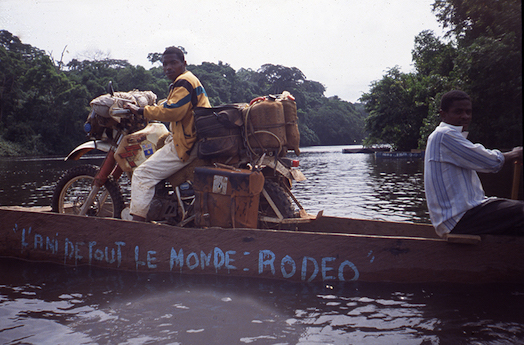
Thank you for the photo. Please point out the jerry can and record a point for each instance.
(291, 118)
(265, 124)
(136, 147)
(227, 198)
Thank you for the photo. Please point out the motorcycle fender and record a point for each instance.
(291, 174)
(298, 175)
(81, 150)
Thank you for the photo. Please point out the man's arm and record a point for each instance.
(459, 151)
(177, 105)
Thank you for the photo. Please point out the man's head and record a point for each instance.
(173, 62)
(456, 108)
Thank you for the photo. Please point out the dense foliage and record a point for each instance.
(44, 103)
(482, 55)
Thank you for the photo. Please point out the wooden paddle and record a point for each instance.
(516, 180)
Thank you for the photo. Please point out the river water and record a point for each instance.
(48, 304)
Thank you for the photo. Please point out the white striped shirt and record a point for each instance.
(450, 175)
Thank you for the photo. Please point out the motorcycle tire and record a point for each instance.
(281, 200)
(74, 187)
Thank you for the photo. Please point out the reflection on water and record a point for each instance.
(361, 186)
(46, 304)
(30, 181)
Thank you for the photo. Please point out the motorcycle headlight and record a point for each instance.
(87, 127)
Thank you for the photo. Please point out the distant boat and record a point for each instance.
(364, 149)
(399, 154)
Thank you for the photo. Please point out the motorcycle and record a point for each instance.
(95, 190)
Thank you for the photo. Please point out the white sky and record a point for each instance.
(344, 44)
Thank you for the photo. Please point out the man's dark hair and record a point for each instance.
(449, 97)
(177, 51)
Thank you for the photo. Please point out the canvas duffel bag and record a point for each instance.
(219, 130)
(102, 104)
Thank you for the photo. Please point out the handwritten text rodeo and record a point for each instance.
(216, 258)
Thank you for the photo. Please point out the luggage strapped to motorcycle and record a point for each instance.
(219, 130)
(268, 125)
(271, 125)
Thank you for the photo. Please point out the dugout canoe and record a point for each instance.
(328, 249)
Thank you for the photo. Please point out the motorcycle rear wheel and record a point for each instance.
(73, 188)
(282, 202)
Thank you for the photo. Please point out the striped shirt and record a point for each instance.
(185, 93)
(450, 175)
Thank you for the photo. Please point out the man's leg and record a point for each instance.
(162, 164)
(495, 216)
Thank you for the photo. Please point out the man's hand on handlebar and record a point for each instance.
(134, 109)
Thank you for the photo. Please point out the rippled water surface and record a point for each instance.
(345, 185)
(362, 186)
(49, 304)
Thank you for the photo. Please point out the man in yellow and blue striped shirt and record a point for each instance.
(185, 93)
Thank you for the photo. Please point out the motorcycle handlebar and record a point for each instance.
(120, 112)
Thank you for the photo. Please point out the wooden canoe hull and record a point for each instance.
(329, 249)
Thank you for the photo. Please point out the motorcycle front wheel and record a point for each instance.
(75, 185)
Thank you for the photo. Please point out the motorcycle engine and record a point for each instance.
(164, 204)
(162, 208)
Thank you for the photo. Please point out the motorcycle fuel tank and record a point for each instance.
(135, 148)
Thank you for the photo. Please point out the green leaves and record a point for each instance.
(482, 55)
(397, 105)
(334, 122)
(43, 108)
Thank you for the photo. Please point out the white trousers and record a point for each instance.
(162, 164)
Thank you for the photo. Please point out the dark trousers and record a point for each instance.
(495, 216)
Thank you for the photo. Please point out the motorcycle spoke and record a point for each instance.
(76, 188)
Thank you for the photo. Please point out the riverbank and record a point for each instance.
(10, 149)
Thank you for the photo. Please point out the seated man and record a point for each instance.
(454, 194)
(185, 93)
